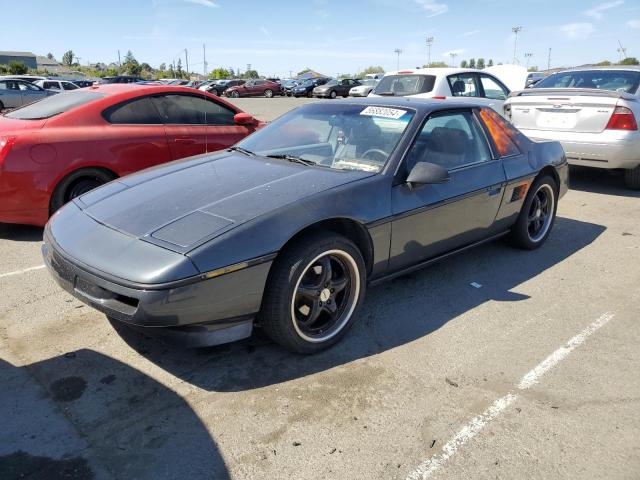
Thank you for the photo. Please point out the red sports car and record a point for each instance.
(65, 145)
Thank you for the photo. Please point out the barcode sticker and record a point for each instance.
(383, 112)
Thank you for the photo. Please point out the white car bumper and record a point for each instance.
(607, 149)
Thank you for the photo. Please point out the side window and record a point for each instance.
(501, 132)
(12, 85)
(463, 85)
(211, 113)
(3, 86)
(139, 111)
(51, 86)
(451, 140)
(260, 82)
(178, 109)
(68, 86)
(492, 89)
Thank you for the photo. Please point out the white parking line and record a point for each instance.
(18, 272)
(427, 468)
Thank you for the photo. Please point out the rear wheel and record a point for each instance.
(313, 293)
(632, 178)
(537, 216)
(1, 106)
(215, 92)
(76, 184)
(333, 94)
(268, 93)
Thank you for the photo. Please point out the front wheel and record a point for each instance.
(333, 94)
(537, 216)
(215, 92)
(235, 94)
(313, 293)
(632, 178)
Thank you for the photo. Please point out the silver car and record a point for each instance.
(593, 112)
(15, 93)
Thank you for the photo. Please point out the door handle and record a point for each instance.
(185, 141)
(494, 190)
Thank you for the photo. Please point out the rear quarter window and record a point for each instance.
(55, 105)
(504, 136)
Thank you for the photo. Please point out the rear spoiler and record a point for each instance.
(591, 92)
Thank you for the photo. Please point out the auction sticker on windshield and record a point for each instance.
(384, 112)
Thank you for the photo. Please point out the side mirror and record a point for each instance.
(424, 173)
(244, 119)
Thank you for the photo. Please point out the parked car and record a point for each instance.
(442, 83)
(218, 88)
(364, 89)
(289, 85)
(334, 88)
(24, 78)
(121, 79)
(63, 146)
(204, 85)
(305, 89)
(592, 112)
(255, 88)
(16, 93)
(533, 78)
(288, 228)
(57, 85)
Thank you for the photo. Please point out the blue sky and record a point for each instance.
(331, 36)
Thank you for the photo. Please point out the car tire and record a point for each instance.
(235, 94)
(268, 93)
(537, 216)
(310, 95)
(632, 178)
(77, 183)
(305, 311)
(214, 92)
(333, 94)
(1, 106)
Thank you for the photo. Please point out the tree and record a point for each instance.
(17, 68)
(179, 71)
(50, 56)
(463, 64)
(218, 73)
(604, 63)
(162, 67)
(128, 58)
(490, 64)
(251, 74)
(371, 69)
(480, 64)
(630, 61)
(472, 63)
(67, 58)
(436, 65)
(532, 69)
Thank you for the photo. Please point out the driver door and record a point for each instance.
(430, 220)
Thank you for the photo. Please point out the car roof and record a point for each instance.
(422, 105)
(438, 72)
(633, 68)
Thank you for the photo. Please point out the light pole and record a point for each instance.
(398, 51)
(515, 30)
(528, 57)
(429, 43)
(453, 58)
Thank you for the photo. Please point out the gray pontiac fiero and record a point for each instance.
(288, 228)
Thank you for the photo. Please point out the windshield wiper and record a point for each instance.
(241, 150)
(293, 158)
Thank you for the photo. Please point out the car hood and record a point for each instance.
(184, 204)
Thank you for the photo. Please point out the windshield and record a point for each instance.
(342, 137)
(401, 85)
(369, 82)
(51, 106)
(331, 83)
(614, 80)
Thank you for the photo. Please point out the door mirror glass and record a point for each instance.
(424, 173)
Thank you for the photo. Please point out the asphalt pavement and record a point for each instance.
(530, 374)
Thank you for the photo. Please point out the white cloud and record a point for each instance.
(469, 34)
(322, 13)
(204, 3)
(577, 31)
(432, 7)
(634, 24)
(597, 11)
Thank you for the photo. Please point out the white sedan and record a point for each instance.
(591, 111)
(57, 85)
(442, 83)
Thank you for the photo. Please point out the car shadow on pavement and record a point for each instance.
(393, 314)
(599, 180)
(20, 233)
(95, 417)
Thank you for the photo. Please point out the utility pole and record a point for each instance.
(528, 57)
(119, 63)
(515, 30)
(429, 43)
(453, 58)
(398, 51)
(549, 60)
(204, 60)
(622, 51)
(186, 60)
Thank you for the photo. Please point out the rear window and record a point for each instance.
(616, 81)
(54, 105)
(401, 85)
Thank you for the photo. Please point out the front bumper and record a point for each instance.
(323, 94)
(607, 149)
(221, 308)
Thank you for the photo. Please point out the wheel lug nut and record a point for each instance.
(320, 303)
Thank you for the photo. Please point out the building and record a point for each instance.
(51, 66)
(28, 58)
